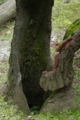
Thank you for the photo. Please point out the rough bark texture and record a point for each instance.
(34, 54)
(30, 52)
(59, 101)
(30, 55)
(61, 80)
(64, 74)
(7, 11)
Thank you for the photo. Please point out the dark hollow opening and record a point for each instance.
(33, 51)
(36, 98)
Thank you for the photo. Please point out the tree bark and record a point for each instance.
(60, 80)
(30, 52)
(30, 56)
(7, 11)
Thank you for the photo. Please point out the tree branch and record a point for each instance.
(64, 74)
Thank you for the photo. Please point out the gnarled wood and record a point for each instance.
(63, 95)
(64, 74)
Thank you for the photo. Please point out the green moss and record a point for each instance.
(49, 98)
(33, 53)
(73, 28)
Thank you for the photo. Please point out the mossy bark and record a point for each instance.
(60, 80)
(30, 52)
(34, 54)
(73, 28)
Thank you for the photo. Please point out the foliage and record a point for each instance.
(9, 111)
(2, 1)
(64, 115)
(63, 15)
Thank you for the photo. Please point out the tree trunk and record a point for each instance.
(30, 52)
(7, 11)
(60, 80)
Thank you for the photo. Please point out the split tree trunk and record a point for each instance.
(30, 52)
(30, 56)
(7, 11)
